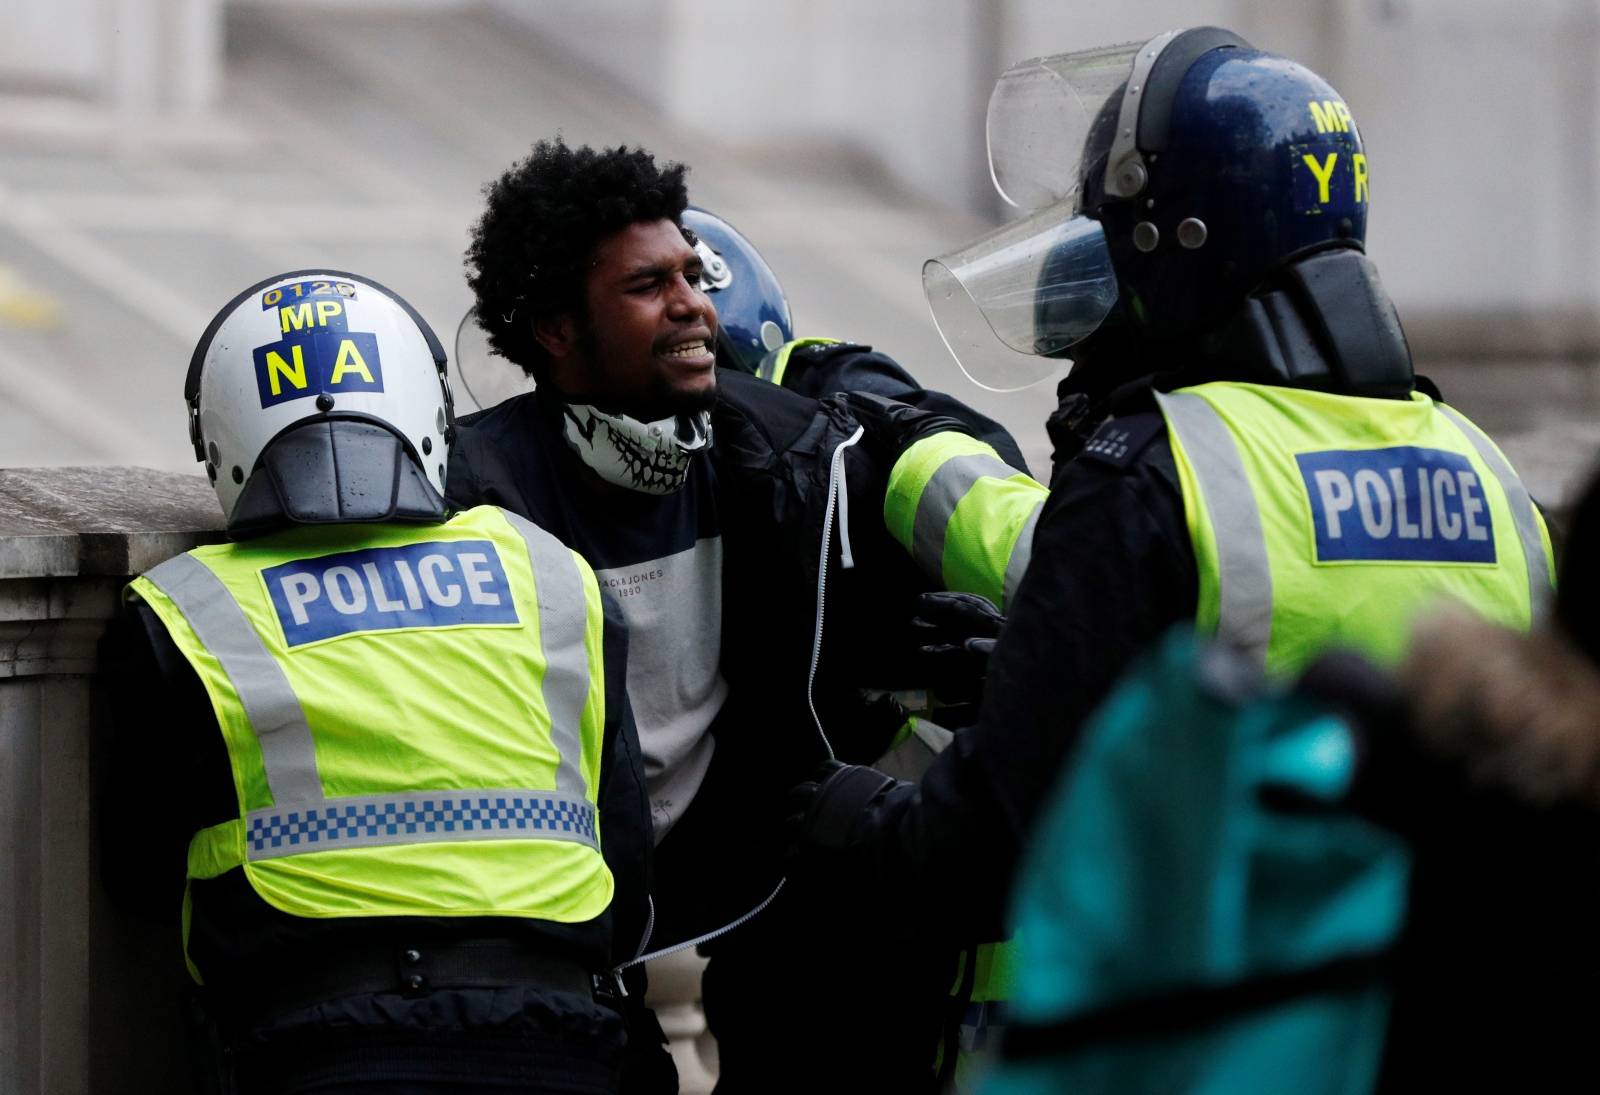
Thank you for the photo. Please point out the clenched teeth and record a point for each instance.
(688, 349)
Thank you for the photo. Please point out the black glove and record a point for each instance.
(837, 811)
(868, 727)
(956, 633)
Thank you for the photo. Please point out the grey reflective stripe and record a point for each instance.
(1244, 578)
(418, 817)
(938, 501)
(563, 616)
(1021, 553)
(287, 751)
(1521, 513)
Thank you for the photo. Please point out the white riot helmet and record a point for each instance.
(320, 397)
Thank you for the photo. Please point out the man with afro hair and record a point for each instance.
(536, 243)
(701, 496)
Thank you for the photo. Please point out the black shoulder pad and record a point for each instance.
(829, 349)
(1120, 440)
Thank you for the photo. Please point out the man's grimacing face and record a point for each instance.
(646, 344)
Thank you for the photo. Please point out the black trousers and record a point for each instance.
(464, 1067)
(805, 1005)
(452, 1042)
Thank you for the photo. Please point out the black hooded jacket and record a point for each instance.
(766, 481)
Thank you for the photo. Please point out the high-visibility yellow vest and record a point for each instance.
(1319, 519)
(413, 716)
(966, 516)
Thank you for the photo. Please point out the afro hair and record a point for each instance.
(532, 248)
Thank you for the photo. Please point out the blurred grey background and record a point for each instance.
(157, 156)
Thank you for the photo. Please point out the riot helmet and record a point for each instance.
(753, 316)
(1165, 182)
(320, 397)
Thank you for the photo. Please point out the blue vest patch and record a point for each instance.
(1404, 504)
(447, 583)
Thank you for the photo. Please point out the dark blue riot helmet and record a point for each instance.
(753, 316)
(1192, 190)
(1239, 161)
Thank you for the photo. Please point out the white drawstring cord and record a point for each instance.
(697, 940)
(838, 496)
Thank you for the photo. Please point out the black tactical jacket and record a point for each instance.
(767, 476)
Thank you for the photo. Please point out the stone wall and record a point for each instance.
(88, 999)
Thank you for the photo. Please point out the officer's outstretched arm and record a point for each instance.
(1112, 571)
(168, 765)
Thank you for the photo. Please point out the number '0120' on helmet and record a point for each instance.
(320, 397)
(1162, 183)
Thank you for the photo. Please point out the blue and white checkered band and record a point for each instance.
(1400, 504)
(419, 818)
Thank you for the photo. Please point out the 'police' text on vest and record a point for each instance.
(1402, 504)
(451, 583)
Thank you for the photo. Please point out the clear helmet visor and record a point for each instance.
(486, 377)
(1040, 115)
(1008, 303)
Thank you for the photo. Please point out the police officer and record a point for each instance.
(394, 740)
(1455, 795)
(1268, 466)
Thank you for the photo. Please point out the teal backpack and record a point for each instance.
(1198, 913)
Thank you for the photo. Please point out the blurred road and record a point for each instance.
(359, 140)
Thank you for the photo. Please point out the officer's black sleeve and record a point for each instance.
(166, 772)
(1112, 569)
(976, 423)
(854, 369)
(827, 370)
(625, 831)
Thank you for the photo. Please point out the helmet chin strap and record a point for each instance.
(648, 457)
